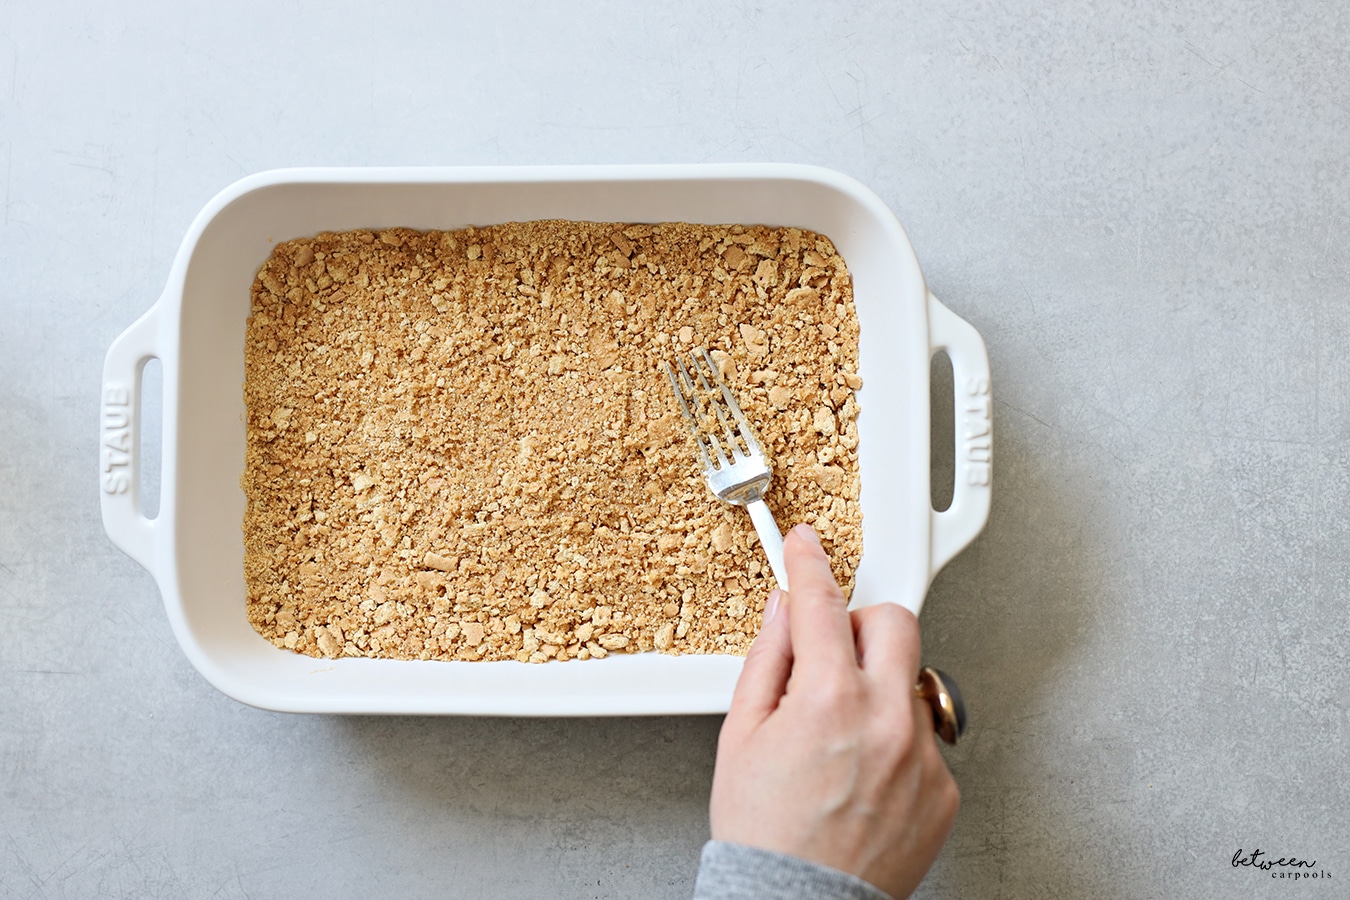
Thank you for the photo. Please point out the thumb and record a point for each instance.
(767, 666)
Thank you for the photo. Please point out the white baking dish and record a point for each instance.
(194, 547)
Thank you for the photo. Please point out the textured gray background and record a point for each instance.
(1143, 210)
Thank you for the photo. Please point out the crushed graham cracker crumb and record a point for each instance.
(461, 444)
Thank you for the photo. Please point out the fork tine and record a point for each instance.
(688, 414)
(698, 417)
(744, 479)
(728, 432)
(742, 423)
(701, 432)
(679, 394)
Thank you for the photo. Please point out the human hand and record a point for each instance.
(826, 754)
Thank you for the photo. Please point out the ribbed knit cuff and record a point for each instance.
(735, 872)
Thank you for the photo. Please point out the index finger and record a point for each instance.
(822, 632)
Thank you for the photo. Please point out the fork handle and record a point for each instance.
(771, 539)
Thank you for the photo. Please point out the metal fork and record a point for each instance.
(734, 463)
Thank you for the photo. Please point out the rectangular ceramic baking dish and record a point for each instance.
(194, 546)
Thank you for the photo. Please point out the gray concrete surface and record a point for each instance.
(1142, 207)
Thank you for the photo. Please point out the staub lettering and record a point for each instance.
(976, 438)
(116, 449)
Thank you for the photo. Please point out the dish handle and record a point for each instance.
(119, 472)
(955, 527)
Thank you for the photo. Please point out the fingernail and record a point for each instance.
(808, 533)
(771, 605)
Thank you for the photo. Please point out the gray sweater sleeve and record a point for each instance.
(734, 872)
